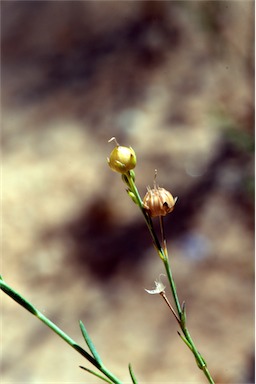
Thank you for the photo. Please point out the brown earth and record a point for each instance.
(174, 81)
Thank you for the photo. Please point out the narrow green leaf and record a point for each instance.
(134, 380)
(132, 174)
(185, 341)
(125, 179)
(96, 374)
(183, 316)
(132, 196)
(90, 343)
(83, 352)
(17, 297)
(201, 363)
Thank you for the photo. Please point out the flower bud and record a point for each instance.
(122, 159)
(158, 201)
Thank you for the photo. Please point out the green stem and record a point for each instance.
(29, 307)
(172, 285)
(199, 359)
(147, 218)
(164, 256)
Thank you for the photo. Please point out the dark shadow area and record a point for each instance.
(96, 243)
(101, 244)
(80, 50)
(241, 194)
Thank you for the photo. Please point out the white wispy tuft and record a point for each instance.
(159, 287)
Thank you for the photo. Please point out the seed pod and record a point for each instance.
(122, 159)
(158, 201)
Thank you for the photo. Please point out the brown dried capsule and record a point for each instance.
(158, 201)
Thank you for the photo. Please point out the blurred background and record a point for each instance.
(174, 80)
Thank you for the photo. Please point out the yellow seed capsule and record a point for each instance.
(158, 201)
(122, 159)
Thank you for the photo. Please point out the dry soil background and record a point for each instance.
(174, 80)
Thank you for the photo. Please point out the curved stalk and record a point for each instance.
(188, 339)
(163, 253)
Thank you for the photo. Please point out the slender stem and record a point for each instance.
(114, 379)
(163, 253)
(27, 305)
(170, 306)
(199, 359)
(172, 285)
(164, 245)
(208, 375)
(147, 218)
